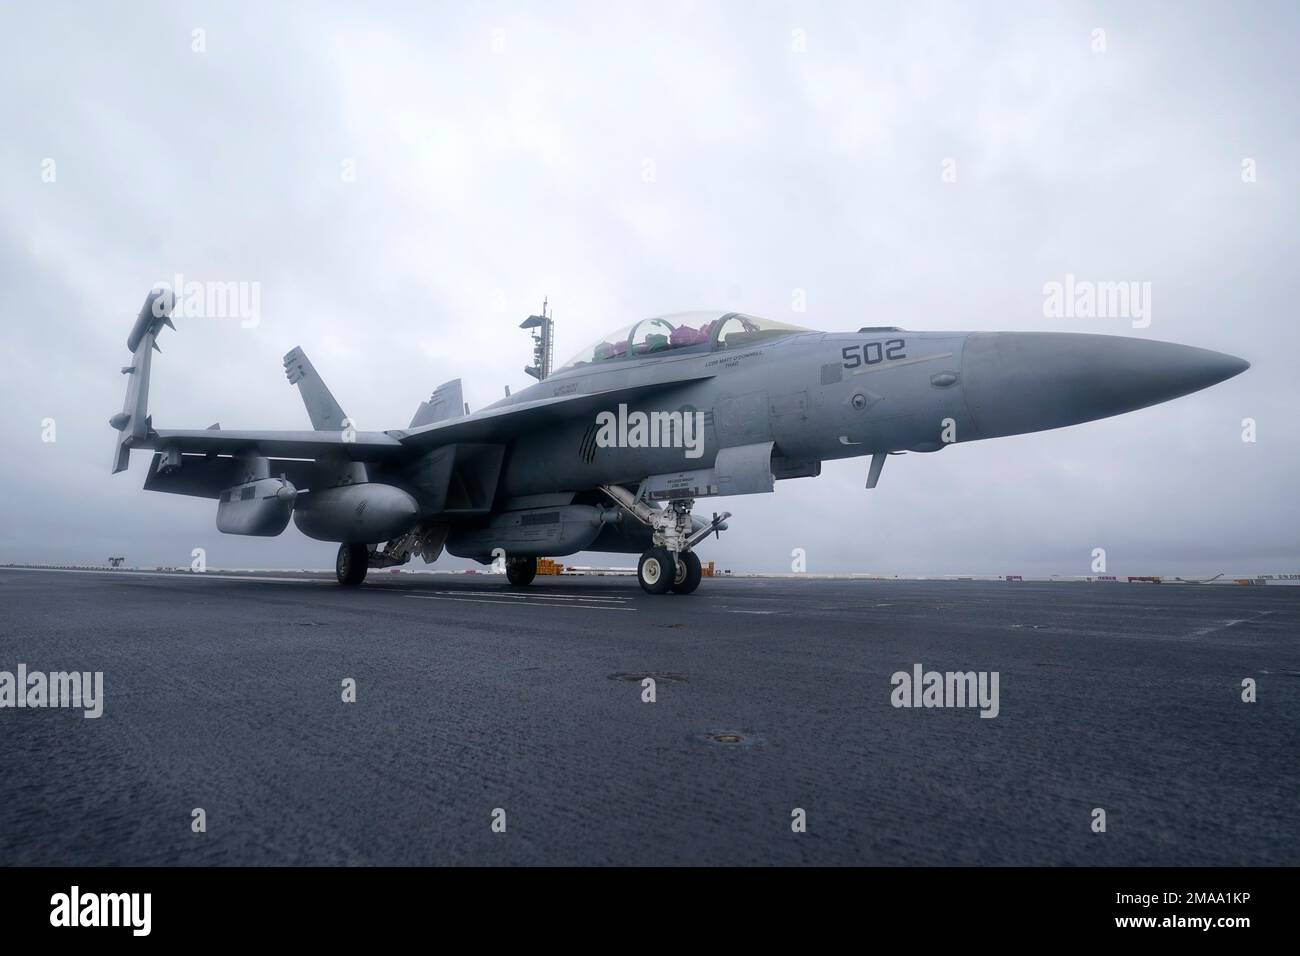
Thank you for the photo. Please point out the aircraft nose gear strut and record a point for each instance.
(670, 564)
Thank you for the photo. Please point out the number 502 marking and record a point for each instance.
(873, 353)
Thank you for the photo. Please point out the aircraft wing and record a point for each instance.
(498, 423)
(363, 446)
(492, 424)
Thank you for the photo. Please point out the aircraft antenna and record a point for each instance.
(543, 331)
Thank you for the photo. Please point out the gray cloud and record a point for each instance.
(501, 155)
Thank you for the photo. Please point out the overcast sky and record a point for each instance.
(634, 159)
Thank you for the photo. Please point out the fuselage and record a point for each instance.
(820, 396)
(611, 452)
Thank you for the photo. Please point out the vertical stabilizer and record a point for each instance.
(445, 402)
(324, 411)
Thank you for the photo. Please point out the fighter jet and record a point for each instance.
(612, 451)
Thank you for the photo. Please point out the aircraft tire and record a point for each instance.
(656, 571)
(521, 571)
(688, 574)
(352, 564)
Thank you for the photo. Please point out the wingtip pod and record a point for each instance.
(155, 313)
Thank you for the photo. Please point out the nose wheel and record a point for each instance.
(656, 571)
(671, 565)
(660, 571)
(688, 574)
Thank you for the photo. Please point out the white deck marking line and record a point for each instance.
(550, 597)
(531, 597)
(263, 579)
(499, 603)
(187, 575)
(531, 593)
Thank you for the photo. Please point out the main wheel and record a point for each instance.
(521, 571)
(352, 564)
(656, 570)
(688, 574)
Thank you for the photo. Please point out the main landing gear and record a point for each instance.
(670, 564)
(425, 539)
(521, 571)
(352, 564)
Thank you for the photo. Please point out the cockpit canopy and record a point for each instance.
(678, 334)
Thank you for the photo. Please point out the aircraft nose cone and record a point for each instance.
(1019, 382)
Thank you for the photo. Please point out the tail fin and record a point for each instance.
(445, 402)
(133, 423)
(326, 416)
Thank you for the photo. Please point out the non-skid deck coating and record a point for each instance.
(772, 694)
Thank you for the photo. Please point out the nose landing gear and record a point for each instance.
(656, 571)
(688, 574)
(671, 564)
